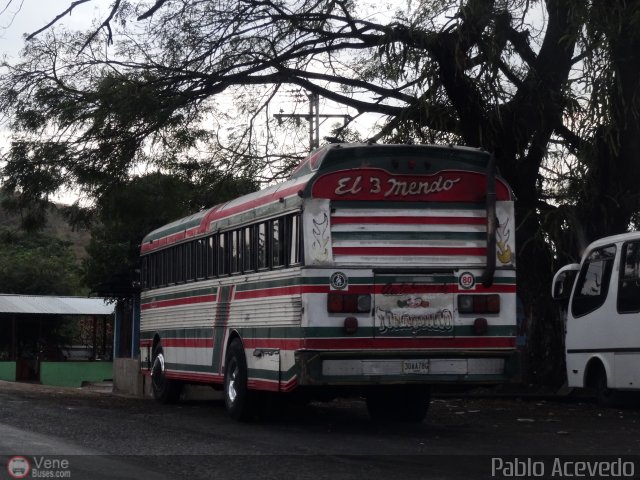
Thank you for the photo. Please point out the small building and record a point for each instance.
(33, 349)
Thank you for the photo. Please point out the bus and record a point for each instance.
(374, 270)
(600, 298)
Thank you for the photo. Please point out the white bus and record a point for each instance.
(601, 296)
(375, 270)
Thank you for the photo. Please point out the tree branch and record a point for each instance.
(57, 18)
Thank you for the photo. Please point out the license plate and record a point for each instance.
(415, 367)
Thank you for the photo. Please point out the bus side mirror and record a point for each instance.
(563, 282)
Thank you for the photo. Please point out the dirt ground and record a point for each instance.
(322, 440)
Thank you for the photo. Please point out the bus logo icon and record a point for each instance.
(18, 467)
(339, 281)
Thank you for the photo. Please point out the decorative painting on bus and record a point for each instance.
(414, 306)
(373, 184)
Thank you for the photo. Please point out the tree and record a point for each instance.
(127, 212)
(37, 264)
(509, 76)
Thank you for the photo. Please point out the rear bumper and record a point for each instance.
(360, 368)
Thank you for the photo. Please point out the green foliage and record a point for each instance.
(125, 213)
(37, 264)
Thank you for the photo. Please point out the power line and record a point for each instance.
(313, 117)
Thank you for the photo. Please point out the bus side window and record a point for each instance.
(156, 269)
(163, 267)
(593, 282)
(261, 242)
(170, 266)
(187, 261)
(234, 250)
(277, 243)
(248, 249)
(194, 259)
(293, 238)
(223, 260)
(200, 258)
(629, 283)
(211, 256)
(180, 267)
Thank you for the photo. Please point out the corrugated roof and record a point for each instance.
(54, 305)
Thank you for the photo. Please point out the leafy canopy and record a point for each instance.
(37, 264)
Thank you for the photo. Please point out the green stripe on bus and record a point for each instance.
(356, 281)
(278, 375)
(190, 367)
(178, 295)
(264, 374)
(287, 205)
(205, 332)
(179, 226)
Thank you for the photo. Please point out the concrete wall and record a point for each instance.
(8, 371)
(127, 378)
(73, 374)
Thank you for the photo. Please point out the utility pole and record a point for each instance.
(313, 117)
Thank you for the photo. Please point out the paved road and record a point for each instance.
(107, 436)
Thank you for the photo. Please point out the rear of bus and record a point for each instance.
(409, 277)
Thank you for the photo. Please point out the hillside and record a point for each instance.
(56, 227)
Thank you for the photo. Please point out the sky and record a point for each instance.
(20, 17)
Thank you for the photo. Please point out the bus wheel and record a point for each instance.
(605, 395)
(405, 403)
(163, 389)
(237, 398)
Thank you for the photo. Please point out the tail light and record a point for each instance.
(348, 303)
(479, 303)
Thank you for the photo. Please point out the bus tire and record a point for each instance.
(238, 399)
(163, 389)
(604, 395)
(399, 403)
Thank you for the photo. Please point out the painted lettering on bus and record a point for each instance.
(389, 321)
(405, 189)
(347, 186)
(394, 187)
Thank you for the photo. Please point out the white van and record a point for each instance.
(603, 317)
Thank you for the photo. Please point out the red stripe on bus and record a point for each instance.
(268, 292)
(188, 342)
(266, 385)
(404, 251)
(179, 301)
(195, 376)
(290, 385)
(257, 202)
(399, 220)
(219, 212)
(279, 343)
(280, 291)
(272, 385)
(408, 343)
